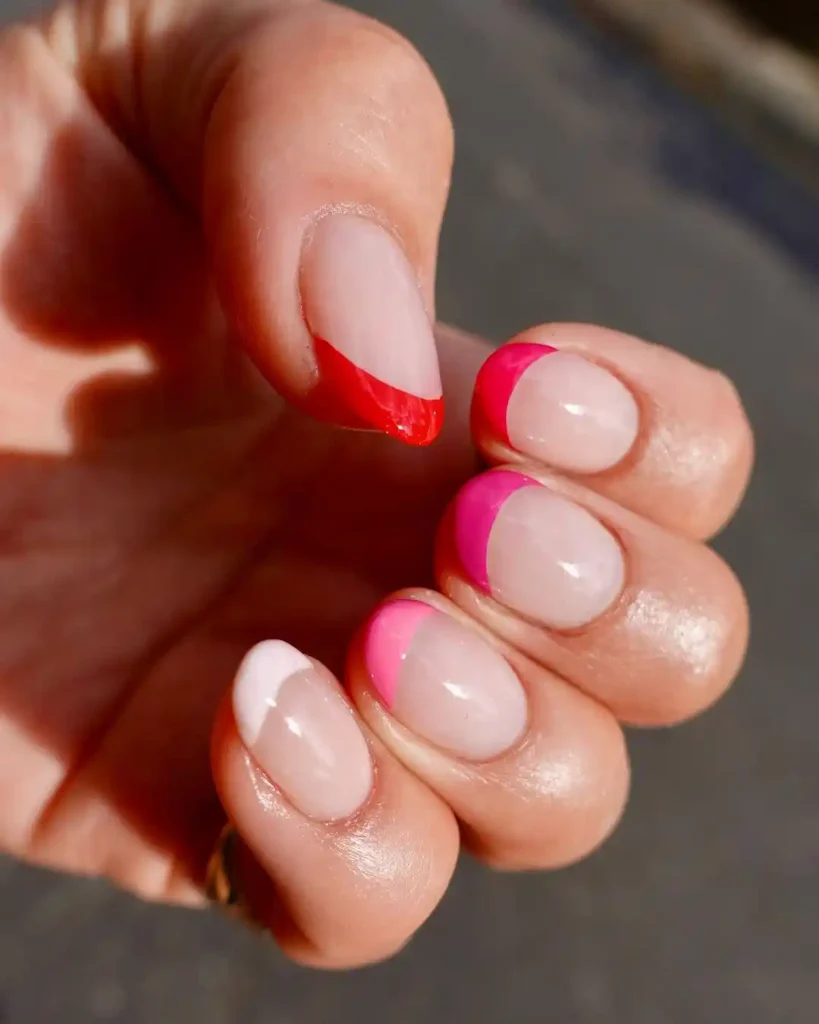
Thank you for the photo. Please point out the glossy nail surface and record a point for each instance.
(443, 681)
(301, 732)
(536, 552)
(373, 339)
(556, 406)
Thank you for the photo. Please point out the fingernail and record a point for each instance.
(536, 552)
(301, 732)
(443, 681)
(557, 407)
(373, 339)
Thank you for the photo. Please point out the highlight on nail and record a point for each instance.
(556, 406)
(301, 731)
(536, 551)
(443, 680)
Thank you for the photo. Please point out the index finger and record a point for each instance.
(636, 422)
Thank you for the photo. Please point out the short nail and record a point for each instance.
(301, 732)
(536, 552)
(373, 338)
(443, 681)
(557, 407)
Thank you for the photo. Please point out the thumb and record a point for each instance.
(315, 147)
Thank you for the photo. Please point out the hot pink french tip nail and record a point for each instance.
(476, 508)
(535, 551)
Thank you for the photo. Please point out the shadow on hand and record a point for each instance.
(145, 473)
(127, 421)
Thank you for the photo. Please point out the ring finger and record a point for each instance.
(534, 769)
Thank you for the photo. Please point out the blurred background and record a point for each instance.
(652, 165)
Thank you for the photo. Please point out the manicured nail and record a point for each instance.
(301, 732)
(557, 407)
(373, 339)
(443, 681)
(536, 552)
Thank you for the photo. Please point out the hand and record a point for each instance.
(163, 511)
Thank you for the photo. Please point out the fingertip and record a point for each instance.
(536, 772)
(555, 407)
(350, 396)
(497, 379)
(639, 423)
(329, 271)
(372, 335)
(338, 885)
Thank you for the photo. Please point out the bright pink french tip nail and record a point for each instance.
(387, 641)
(442, 680)
(555, 406)
(498, 378)
(536, 552)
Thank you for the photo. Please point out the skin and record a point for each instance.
(162, 509)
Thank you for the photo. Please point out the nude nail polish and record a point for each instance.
(443, 681)
(301, 731)
(555, 406)
(373, 339)
(535, 551)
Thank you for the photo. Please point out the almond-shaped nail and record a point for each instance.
(443, 681)
(556, 406)
(373, 339)
(535, 551)
(301, 732)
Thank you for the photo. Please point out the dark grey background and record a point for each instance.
(586, 189)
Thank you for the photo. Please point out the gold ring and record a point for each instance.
(222, 886)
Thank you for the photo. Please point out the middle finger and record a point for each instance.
(651, 623)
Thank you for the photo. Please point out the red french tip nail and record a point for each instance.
(414, 420)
